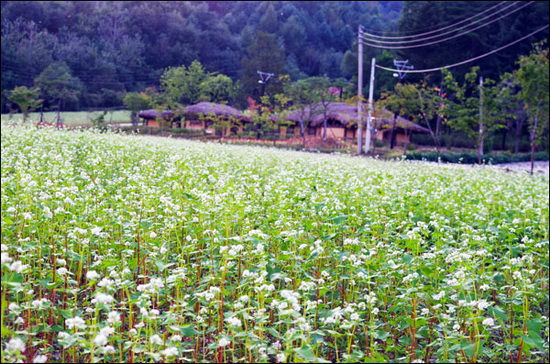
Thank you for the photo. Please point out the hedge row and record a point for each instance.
(471, 157)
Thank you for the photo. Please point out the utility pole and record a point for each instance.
(481, 126)
(264, 78)
(370, 106)
(360, 90)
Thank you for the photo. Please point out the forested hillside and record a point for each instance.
(115, 47)
(111, 48)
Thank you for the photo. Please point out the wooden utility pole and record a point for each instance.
(370, 106)
(360, 90)
(481, 126)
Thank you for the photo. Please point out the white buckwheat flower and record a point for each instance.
(75, 322)
(15, 345)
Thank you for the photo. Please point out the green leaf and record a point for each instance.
(499, 277)
(338, 220)
(533, 339)
(188, 330)
(306, 353)
(498, 312)
(403, 325)
(468, 348)
(382, 335)
(407, 259)
(274, 332)
(534, 326)
(161, 266)
(6, 331)
(12, 279)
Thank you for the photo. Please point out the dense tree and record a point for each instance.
(58, 86)
(534, 79)
(402, 102)
(264, 55)
(26, 99)
(473, 107)
(429, 16)
(117, 47)
(136, 102)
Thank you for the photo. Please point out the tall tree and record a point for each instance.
(26, 99)
(58, 86)
(533, 79)
(473, 107)
(136, 102)
(264, 55)
(183, 84)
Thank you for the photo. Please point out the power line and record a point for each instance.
(448, 26)
(469, 60)
(448, 38)
(448, 32)
(432, 27)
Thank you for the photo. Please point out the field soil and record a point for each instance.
(539, 167)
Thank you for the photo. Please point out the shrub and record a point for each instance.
(471, 157)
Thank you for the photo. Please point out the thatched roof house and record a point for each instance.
(152, 114)
(342, 121)
(206, 108)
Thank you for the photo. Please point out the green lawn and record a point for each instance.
(73, 118)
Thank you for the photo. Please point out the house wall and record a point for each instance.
(332, 132)
(152, 123)
(385, 135)
(190, 126)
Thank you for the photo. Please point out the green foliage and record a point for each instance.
(136, 102)
(264, 55)
(533, 78)
(474, 109)
(472, 158)
(189, 85)
(26, 99)
(134, 249)
(58, 85)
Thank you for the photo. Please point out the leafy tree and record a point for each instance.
(136, 102)
(472, 108)
(264, 55)
(189, 85)
(58, 85)
(532, 76)
(26, 99)
(429, 102)
(219, 88)
(404, 101)
(321, 95)
(183, 84)
(417, 15)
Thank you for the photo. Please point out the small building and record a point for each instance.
(209, 116)
(150, 118)
(341, 122)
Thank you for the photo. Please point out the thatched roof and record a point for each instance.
(206, 108)
(152, 114)
(347, 114)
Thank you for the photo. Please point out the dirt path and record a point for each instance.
(539, 168)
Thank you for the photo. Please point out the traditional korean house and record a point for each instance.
(150, 118)
(341, 122)
(209, 115)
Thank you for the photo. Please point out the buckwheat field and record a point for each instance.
(138, 249)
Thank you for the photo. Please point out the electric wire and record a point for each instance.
(448, 38)
(468, 60)
(448, 32)
(431, 27)
(448, 26)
